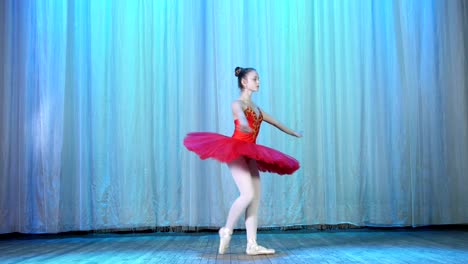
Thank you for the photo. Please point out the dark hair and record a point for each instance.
(240, 74)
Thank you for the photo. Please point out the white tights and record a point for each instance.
(247, 178)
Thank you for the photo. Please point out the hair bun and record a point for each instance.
(237, 71)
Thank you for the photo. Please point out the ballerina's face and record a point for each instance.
(251, 81)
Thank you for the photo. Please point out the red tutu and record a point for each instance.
(226, 149)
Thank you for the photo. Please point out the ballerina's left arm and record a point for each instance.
(269, 119)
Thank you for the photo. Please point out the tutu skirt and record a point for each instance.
(226, 149)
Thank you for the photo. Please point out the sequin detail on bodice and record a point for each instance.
(254, 124)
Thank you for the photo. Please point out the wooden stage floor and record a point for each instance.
(298, 246)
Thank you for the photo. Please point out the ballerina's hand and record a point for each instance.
(298, 134)
(245, 129)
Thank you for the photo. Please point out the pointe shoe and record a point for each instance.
(224, 239)
(254, 249)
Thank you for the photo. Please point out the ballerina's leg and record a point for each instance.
(241, 175)
(251, 214)
(240, 171)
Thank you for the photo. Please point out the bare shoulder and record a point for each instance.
(237, 105)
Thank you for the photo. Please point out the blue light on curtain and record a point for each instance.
(96, 97)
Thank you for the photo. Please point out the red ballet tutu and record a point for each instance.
(226, 149)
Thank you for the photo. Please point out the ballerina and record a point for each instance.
(245, 159)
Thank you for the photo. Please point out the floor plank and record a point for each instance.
(300, 246)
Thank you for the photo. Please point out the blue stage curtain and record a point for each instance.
(97, 96)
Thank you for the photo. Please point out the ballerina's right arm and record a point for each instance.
(238, 114)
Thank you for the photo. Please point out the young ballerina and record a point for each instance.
(245, 159)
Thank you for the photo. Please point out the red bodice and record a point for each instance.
(254, 124)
